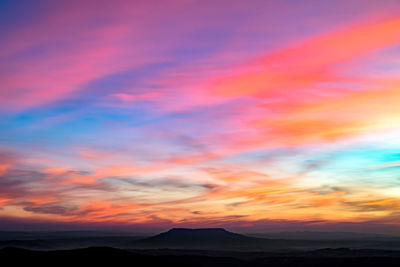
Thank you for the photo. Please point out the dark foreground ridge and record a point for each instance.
(103, 255)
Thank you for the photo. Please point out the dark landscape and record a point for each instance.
(199, 247)
(203, 133)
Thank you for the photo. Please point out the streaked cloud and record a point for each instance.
(247, 115)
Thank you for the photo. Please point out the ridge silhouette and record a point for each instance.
(113, 256)
(198, 237)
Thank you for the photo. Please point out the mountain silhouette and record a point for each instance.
(198, 238)
(181, 258)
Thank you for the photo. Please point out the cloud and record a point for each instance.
(177, 182)
(51, 208)
(378, 204)
(136, 98)
(306, 63)
(120, 115)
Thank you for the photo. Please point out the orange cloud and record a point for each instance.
(102, 210)
(4, 167)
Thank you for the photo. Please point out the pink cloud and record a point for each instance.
(136, 97)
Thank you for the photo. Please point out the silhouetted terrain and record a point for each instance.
(112, 256)
(220, 239)
(192, 247)
(203, 239)
(21, 235)
(198, 238)
(308, 235)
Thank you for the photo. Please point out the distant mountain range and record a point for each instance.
(25, 235)
(196, 239)
(221, 239)
(311, 235)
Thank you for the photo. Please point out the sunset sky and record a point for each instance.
(250, 115)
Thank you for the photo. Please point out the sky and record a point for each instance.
(256, 116)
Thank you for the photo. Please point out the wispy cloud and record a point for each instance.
(236, 114)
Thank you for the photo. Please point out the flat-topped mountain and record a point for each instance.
(198, 235)
(185, 238)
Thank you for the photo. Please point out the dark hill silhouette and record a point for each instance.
(116, 257)
(221, 239)
(199, 238)
(216, 239)
(183, 235)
